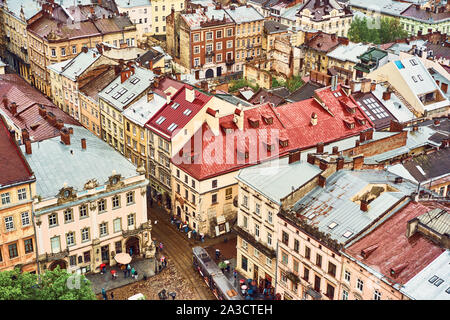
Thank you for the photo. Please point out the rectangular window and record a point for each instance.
(258, 209)
(209, 36)
(285, 238)
(55, 244)
(360, 285)
(270, 217)
(87, 256)
(22, 194)
(5, 198)
(377, 295)
(218, 34)
(130, 197)
(330, 291)
(70, 237)
(25, 219)
(115, 202)
(317, 280)
(347, 276)
(244, 244)
(269, 239)
(331, 269)
(9, 223)
(245, 201)
(257, 230)
(296, 245)
(214, 198)
(28, 243)
(344, 295)
(284, 258)
(318, 260)
(68, 216)
(12, 248)
(52, 220)
(103, 229)
(117, 225)
(83, 211)
(73, 260)
(244, 263)
(306, 274)
(307, 253)
(130, 219)
(85, 234)
(101, 205)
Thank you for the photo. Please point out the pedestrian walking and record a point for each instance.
(128, 270)
(105, 297)
(112, 295)
(217, 253)
(114, 274)
(161, 246)
(135, 275)
(132, 272)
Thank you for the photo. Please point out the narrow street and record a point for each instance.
(178, 250)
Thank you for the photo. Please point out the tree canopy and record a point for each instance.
(55, 285)
(364, 30)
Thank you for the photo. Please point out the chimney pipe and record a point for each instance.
(444, 87)
(51, 118)
(294, 157)
(65, 136)
(28, 146)
(13, 108)
(311, 158)
(358, 162)
(83, 143)
(42, 111)
(320, 147)
(150, 96)
(323, 165)
(340, 163)
(25, 134)
(386, 95)
(71, 130)
(335, 150)
(322, 181)
(59, 124)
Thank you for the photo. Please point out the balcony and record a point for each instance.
(269, 252)
(24, 50)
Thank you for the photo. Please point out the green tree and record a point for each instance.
(390, 30)
(358, 32)
(57, 284)
(383, 31)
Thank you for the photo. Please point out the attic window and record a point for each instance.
(128, 98)
(433, 279)
(254, 123)
(284, 142)
(269, 146)
(414, 79)
(438, 282)
(420, 77)
(361, 120)
(349, 124)
(111, 88)
(242, 155)
(160, 120)
(413, 62)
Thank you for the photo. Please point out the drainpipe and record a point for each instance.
(35, 237)
(276, 269)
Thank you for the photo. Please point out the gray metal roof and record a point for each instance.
(276, 179)
(122, 94)
(79, 64)
(132, 3)
(243, 14)
(54, 164)
(349, 52)
(324, 207)
(422, 286)
(389, 7)
(142, 110)
(437, 220)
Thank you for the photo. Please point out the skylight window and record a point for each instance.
(433, 279)
(448, 290)
(123, 91)
(172, 127)
(420, 77)
(347, 234)
(128, 98)
(413, 62)
(187, 112)
(175, 105)
(414, 79)
(135, 80)
(160, 120)
(332, 225)
(438, 282)
(111, 88)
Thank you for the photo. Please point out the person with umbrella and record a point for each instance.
(102, 268)
(114, 274)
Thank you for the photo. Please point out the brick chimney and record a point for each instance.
(59, 124)
(204, 85)
(178, 76)
(65, 136)
(322, 181)
(13, 108)
(373, 86)
(51, 118)
(294, 156)
(25, 134)
(436, 122)
(364, 205)
(42, 111)
(124, 75)
(340, 163)
(84, 49)
(444, 87)
(311, 158)
(323, 165)
(398, 180)
(362, 136)
(320, 146)
(358, 162)
(395, 126)
(369, 134)
(70, 130)
(83, 144)
(386, 95)
(5, 101)
(357, 143)
(28, 146)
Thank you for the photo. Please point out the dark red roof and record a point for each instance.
(291, 121)
(13, 168)
(394, 249)
(166, 83)
(180, 115)
(28, 99)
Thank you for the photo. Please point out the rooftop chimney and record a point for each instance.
(323, 165)
(71, 130)
(65, 136)
(168, 97)
(83, 143)
(314, 119)
(28, 146)
(5, 101)
(322, 181)
(320, 146)
(13, 108)
(335, 150)
(373, 86)
(42, 111)
(59, 124)
(310, 158)
(340, 163)
(84, 49)
(190, 95)
(364, 206)
(51, 118)
(386, 95)
(358, 162)
(150, 96)
(204, 85)
(25, 134)
(294, 156)
(444, 87)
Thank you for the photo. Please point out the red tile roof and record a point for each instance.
(394, 249)
(166, 83)
(13, 168)
(28, 99)
(177, 116)
(291, 121)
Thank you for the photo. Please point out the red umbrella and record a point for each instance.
(113, 271)
(102, 266)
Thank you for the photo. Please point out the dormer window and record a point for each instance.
(254, 123)
(284, 142)
(350, 124)
(267, 119)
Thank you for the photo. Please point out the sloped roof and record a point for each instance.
(298, 130)
(395, 249)
(13, 168)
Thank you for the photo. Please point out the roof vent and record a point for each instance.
(395, 271)
(367, 251)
